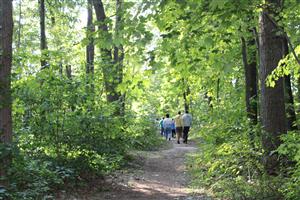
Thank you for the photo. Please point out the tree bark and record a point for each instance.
(272, 99)
(119, 52)
(6, 32)
(110, 72)
(289, 99)
(251, 83)
(43, 39)
(186, 93)
(69, 71)
(90, 49)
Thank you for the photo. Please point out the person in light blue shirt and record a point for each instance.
(168, 127)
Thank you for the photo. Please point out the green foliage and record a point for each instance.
(290, 149)
(34, 179)
(201, 44)
(227, 165)
(144, 134)
(66, 131)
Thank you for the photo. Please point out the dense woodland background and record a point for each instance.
(82, 82)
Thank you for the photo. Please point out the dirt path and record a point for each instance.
(161, 175)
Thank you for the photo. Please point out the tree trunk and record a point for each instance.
(110, 72)
(186, 105)
(289, 99)
(119, 52)
(43, 39)
(90, 49)
(69, 71)
(185, 98)
(272, 99)
(6, 32)
(290, 109)
(251, 83)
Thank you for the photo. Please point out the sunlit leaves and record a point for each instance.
(285, 67)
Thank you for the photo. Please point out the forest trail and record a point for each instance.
(160, 175)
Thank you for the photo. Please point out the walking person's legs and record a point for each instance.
(178, 134)
(185, 133)
(168, 134)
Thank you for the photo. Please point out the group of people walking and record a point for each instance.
(180, 125)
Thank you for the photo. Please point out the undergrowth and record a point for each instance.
(228, 167)
(39, 170)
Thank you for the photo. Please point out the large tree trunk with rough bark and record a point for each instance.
(6, 32)
(272, 99)
(249, 60)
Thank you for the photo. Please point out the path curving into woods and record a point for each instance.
(154, 175)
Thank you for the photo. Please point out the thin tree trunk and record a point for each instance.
(290, 109)
(186, 93)
(60, 69)
(251, 83)
(43, 39)
(186, 106)
(298, 94)
(119, 52)
(90, 49)
(256, 36)
(289, 99)
(6, 32)
(69, 71)
(272, 99)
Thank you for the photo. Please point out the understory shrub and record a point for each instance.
(64, 135)
(35, 179)
(290, 149)
(227, 163)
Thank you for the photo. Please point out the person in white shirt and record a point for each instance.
(167, 123)
(187, 122)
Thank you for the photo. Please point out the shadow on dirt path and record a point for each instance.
(161, 175)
